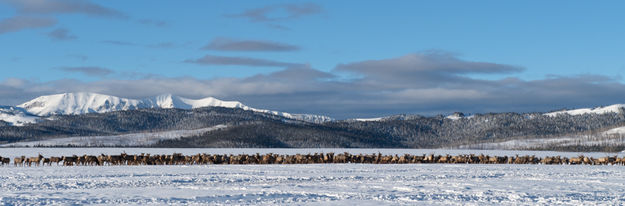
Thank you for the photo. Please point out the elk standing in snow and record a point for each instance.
(36, 160)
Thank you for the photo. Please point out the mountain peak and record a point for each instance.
(77, 103)
(84, 102)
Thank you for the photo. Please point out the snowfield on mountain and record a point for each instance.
(83, 103)
(615, 108)
(16, 116)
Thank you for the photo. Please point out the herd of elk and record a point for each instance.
(203, 159)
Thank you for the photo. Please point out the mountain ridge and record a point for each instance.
(246, 128)
(83, 103)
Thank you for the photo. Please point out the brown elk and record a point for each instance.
(46, 161)
(90, 160)
(405, 159)
(5, 160)
(19, 161)
(459, 159)
(606, 160)
(268, 159)
(576, 160)
(495, 160)
(444, 159)
(56, 160)
(70, 161)
(102, 159)
(430, 159)
(36, 160)
(588, 161)
(547, 160)
(115, 159)
(418, 159)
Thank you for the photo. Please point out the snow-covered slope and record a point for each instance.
(615, 131)
(170, 101)
(126, 140)
(616, 108)
(375, 119)
(16, 116)
(78, 103)
(82, 103)
(455, 116)
(387, 118)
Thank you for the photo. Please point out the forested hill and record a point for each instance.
(245, 128)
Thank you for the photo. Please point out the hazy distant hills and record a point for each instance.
(87, 119)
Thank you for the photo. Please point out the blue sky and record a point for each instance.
(343, 59)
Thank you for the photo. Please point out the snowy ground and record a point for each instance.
(319, 184)
(337, 184)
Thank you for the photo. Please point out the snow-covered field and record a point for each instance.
(325, 184)
(336, 184)
(18, 151)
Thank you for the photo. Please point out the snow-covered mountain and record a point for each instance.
(615, 108)
(16, 116)
(169, 101)
(78, 103)
(82, 103)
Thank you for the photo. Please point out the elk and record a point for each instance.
(5, 160)
(70, 161)
(36, 160)
(56, 160)
(270, 158)
(102, 159)
(444, 159)
(19, 161)
(46, 161)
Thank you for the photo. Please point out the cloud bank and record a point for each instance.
(239, 61)
(61, 34)
(18, 23)
(89, 71)
(291, 11)
(225, 44)
(63, 7)
(420, 83)
(40, 13)
(272, 14)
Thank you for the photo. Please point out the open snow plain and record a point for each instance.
(325, 184)
(329, 184)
